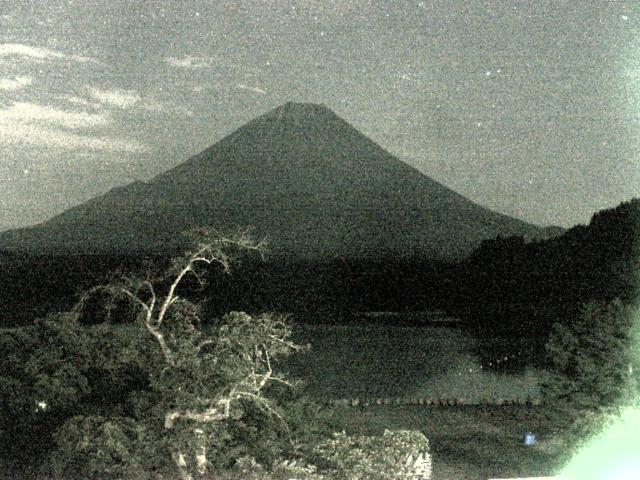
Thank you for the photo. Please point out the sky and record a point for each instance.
(530, 108)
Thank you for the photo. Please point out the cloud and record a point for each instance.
(117, 98)
(16, 133)
(84, 59)
(38, 53)
(164, 108)
(16, 83)
(40, 125)
(9, 49)
(189, 62)
(242, 86)
(29, 113)
(78, 101)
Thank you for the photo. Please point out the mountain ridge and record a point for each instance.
(298, 174)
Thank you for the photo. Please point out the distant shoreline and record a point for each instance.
(415, 319)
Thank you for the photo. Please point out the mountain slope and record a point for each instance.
(298, 174)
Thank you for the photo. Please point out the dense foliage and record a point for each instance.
(159, 393)
(520, 290)
(594, 367)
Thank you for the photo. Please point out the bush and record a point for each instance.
(105, 447)
(594, 367)
(394, 455)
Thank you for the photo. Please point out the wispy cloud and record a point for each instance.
(78, 101)
(29, 113)
(15, 83)
(189, 62)
(242, 86)
(164, 108)
(83, 59)
(117, 98)
(40, 125)
(38, 53)
(21, 134)
(9, 49)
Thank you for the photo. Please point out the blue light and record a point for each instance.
(529, 439)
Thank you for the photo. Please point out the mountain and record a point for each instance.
(299, 174)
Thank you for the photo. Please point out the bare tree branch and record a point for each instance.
(210, 415)
(283, 381)
(204, 343)
(166, 351)
(245, 360)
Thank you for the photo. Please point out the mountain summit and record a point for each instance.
(299, 175)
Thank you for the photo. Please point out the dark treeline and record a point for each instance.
(517, 290)
(326, 290)
(33, 285)
(333, 289)
(515, 287)
(520, 290)
(506, 287)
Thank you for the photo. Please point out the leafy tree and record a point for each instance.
(593, 367)
(169, 396)
(43, 381)
(194, 381)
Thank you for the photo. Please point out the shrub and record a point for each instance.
(393, 455)
(594, 365)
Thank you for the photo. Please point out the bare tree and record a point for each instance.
(198, 383)
(193, 360)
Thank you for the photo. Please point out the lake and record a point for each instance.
(382, 361)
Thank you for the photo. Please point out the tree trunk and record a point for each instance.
(201, 456)
(181, 463)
